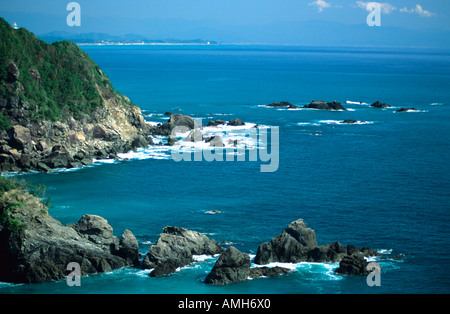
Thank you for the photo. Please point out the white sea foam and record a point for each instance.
(356, 103)
(103, 161)
(339, 122)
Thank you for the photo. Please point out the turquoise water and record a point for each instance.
(382, 183)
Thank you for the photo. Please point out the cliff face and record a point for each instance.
(37, 248)
(57, 107)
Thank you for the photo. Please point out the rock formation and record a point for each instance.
(34, 247)
(378, 104)
(320, 104)
(175, 248)
(297, 243)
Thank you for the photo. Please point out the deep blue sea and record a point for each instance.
(382, 183)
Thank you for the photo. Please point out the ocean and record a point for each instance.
(381, 183)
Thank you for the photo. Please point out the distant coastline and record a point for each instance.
(149, 44)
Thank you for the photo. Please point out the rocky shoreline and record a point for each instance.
(35, 247)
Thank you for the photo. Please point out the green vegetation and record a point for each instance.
(14, 225)
(7, 220)
(57, 80)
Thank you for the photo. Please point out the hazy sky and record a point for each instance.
(238, 20)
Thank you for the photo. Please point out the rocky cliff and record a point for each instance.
(57, 107)
(34, 247)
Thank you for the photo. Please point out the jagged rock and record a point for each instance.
(97, 230)
(352, 265)
(333, 252)
(13, 71)
(20, 137)
(264, 271)
(175, 248)
(349, 121)
(378, 104)
(320, 104)
(215, 141)
(236, 122)
(291, 246)
(231, 266)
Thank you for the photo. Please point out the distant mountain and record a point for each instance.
(98, 38)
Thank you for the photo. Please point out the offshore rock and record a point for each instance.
(320, 104)
(231, 266)
(175, 248)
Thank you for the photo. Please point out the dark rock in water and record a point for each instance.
(297, 243)
(171, 140)
(282, 104)
(320, 104)
(378, 104)
(349, 121)
(236, 122)
(404, 109)
(333, 252)
(352, 265)
(175, 248)
(216, 122)
(40, 247)
(291, 246)
(232, 266)
(129, 248)
(267, 271)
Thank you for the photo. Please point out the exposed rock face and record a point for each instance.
(176, 120)
(378, 104)
(353, 265)
(320, 104)
(175, 248)
(41, 247)
(232, 266)
(60, 125)
(291, 246)
(297, 243)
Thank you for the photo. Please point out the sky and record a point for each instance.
(309, 22)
